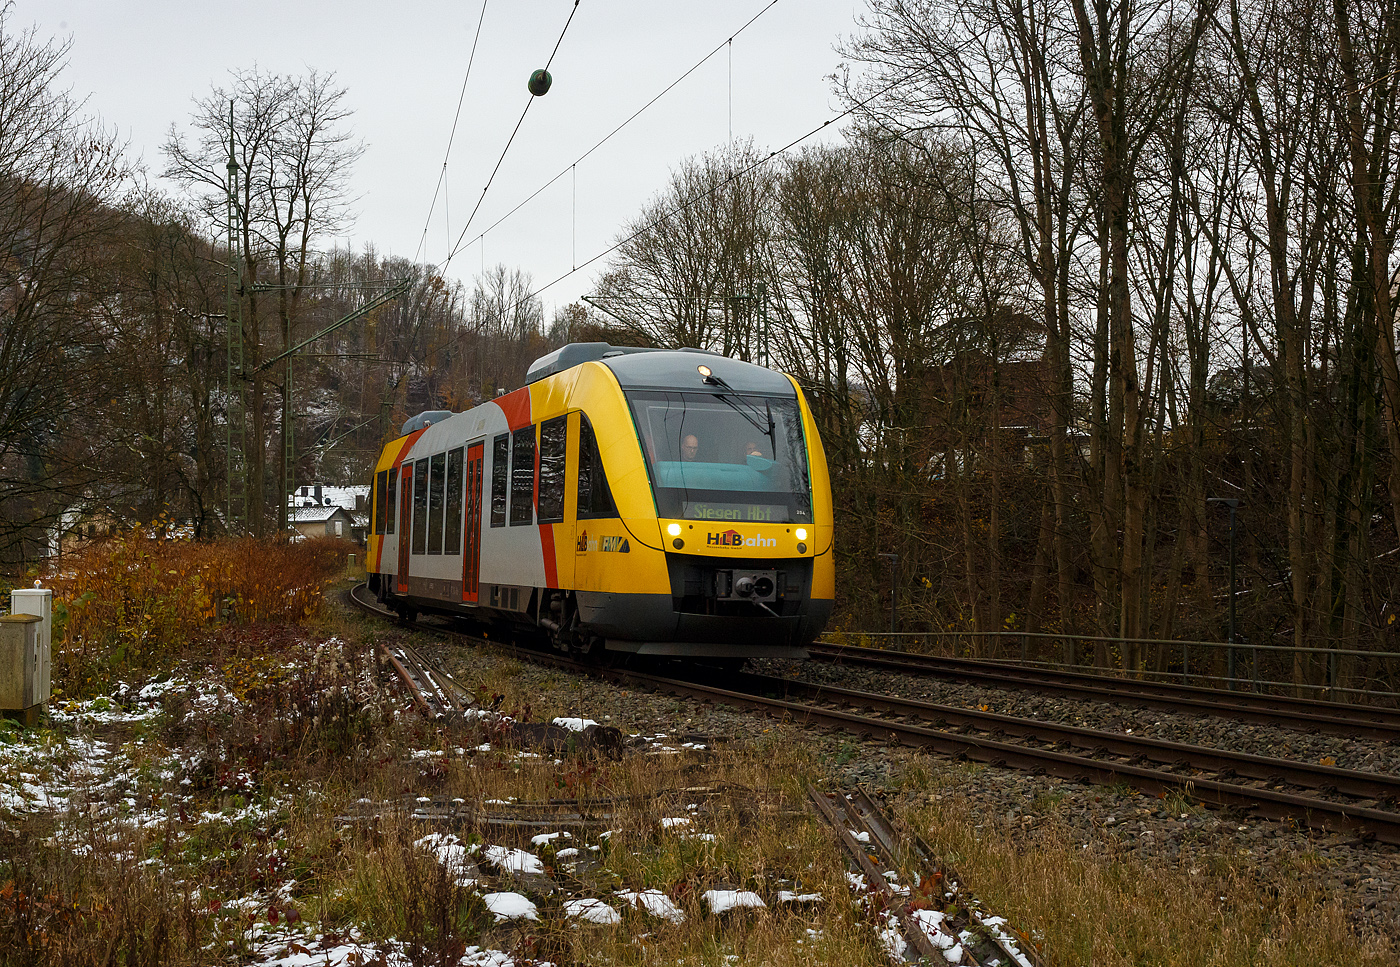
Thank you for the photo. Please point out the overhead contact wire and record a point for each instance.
(499, 161)
(461, 98)
(731, 179)
(705, 194)
(635, 114)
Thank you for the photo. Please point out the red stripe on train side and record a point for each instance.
(551, 564)
(408, 442)
(516, 407)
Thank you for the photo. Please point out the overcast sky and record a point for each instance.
(142, 62)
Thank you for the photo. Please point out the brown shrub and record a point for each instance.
(134, 604)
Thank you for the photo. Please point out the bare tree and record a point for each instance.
(690, 268)
(294, 158)
(60, 178)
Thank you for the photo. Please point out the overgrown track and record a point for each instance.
(1298, 713)
(433, 690)
(1359, 802)
(878, 846)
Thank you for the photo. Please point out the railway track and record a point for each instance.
(1363, 803)
(1279, 710)
(939, 919)
(434, 691)
(1179, 756)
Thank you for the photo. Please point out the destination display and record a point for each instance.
(717, 510)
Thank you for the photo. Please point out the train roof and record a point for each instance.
(664, 369)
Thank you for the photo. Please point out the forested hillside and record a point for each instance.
(115, 354)
(1076, 277)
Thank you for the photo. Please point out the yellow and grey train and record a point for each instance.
(671, 503)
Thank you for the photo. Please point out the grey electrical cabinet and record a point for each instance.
(24, 681)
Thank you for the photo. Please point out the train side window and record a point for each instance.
(381, 483)
(594, 497)
(437, 479)
(554, 440)
(391, 499)
(452, 532)
(500, 477)
(420, 506)
(522, 476)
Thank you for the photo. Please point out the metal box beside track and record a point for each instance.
(26, 653)
(23, 684)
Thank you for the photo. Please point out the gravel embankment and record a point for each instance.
(1364, 878)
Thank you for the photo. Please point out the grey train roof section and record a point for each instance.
(662, 369)
(423, 420)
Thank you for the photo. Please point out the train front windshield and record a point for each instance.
(724, 457)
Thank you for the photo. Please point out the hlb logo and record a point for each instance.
(732, 538)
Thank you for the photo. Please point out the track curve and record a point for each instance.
(1116, 757)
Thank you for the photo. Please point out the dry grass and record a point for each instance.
(749, 800)
(243, 815)
(1088, 908)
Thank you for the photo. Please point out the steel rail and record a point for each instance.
(1348, 782)
(902, 848)
(1267, 803)
(832, 810)
(1285, 711)
(1313, 813)
(431, 688)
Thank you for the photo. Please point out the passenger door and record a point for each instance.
(405, 520)
(471, 547)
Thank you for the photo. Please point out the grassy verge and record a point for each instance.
(255, 790)
(1106, 906)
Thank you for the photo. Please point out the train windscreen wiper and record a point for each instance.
(719, 381)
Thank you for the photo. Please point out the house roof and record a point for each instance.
(331, 496)
(310, 515)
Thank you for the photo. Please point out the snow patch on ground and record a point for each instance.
(594, 911)
(721, 901)
(513, 860)
(653, 902)
(510, 906)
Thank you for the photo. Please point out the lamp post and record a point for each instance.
(894, 591)
(1233, 504)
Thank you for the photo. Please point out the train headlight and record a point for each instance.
(674, 530)
(704, 371)
(801, 533)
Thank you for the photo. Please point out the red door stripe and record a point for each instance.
(408, 441)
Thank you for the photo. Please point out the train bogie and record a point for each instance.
(668, 503)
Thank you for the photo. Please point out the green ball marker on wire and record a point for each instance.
(539, 82)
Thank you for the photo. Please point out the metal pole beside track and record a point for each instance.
(894, 592)
(1232, 503)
